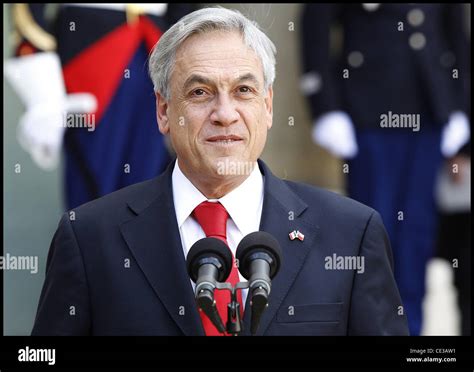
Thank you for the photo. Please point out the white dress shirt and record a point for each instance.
(244, 205)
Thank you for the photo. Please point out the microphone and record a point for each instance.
(259, 257)
(209, 261)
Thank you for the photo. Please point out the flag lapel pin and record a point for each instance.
(296, 234)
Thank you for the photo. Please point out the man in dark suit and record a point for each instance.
(117, 264)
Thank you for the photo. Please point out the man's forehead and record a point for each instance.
(219, 55)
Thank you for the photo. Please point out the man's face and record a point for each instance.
(218, 110)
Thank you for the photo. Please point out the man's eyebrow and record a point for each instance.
(199, 79)
(248, 77)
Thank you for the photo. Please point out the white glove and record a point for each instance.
(38, 81)
(335, 132)
(455, 134)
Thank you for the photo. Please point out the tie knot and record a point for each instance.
(213, 219)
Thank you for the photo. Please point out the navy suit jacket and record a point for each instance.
(116, 267)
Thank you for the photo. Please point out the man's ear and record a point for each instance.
(269, 106)
(162, 114)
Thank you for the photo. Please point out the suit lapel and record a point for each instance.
(154, 240)
(281, 214)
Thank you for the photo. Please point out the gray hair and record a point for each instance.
(204, 20)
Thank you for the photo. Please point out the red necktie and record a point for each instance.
(213, 219)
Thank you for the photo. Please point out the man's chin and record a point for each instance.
(231, 166)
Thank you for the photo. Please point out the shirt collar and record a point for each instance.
(244, 201)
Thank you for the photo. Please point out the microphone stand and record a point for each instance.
(234, 324)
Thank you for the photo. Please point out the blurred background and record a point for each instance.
(339, 68)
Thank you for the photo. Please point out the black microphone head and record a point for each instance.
(258, 242)
(209, 250)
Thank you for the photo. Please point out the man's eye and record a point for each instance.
(244, 89)
(198, 92)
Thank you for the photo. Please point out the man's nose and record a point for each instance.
(224, 112)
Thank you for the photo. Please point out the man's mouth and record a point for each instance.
(224, 140)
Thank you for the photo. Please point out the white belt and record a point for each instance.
(154, 9)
